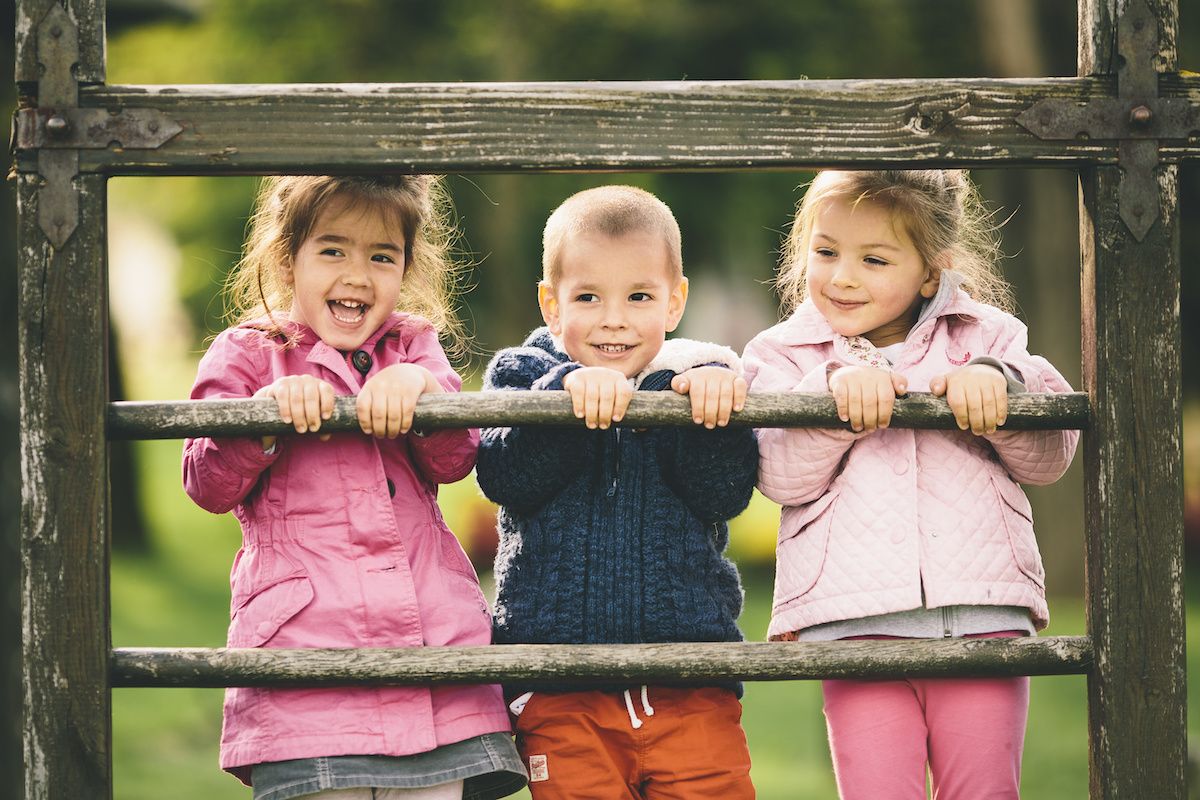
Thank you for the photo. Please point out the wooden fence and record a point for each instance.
(1124, 124)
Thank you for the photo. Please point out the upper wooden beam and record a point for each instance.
(602, 126)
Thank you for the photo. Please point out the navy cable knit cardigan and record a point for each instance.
(611, 536)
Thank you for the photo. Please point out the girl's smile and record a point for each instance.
(864, 273)
(346, 276)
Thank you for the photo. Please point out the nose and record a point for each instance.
(614, 316)
(844, 274)
(354, 271)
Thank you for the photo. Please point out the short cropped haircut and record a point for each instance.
(612, 211)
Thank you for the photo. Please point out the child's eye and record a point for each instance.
(331, 251)
(640, 297)
(383, 258)
(875, 261)
(586, 297)
(825, 252)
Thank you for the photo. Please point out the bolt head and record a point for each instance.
(1141, 115)
(56, 125)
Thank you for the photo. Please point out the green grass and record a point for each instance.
(165, 740)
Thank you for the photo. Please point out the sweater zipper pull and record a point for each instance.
(616, 464)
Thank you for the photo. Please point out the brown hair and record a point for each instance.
(286, 209)
(612, 211)
(941, 211)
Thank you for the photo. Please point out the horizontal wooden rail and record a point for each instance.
(602, 126)
(178, 419)
(626, 663)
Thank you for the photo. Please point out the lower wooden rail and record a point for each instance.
(670, 663)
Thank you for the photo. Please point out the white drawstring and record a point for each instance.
(646, 707)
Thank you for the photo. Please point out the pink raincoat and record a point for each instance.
(898, 519)
(343, 546)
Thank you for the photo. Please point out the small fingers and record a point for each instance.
(885, 400)
(621, 401)
(739, 393)
(362, 407)
(725, 400)
(958, 404)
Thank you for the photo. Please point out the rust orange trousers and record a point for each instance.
(652, 743)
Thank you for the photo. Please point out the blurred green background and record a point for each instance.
(173, 239)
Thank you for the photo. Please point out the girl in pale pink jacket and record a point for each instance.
(906, 533)
(343, 542)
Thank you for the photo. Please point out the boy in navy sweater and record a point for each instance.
(611, 535)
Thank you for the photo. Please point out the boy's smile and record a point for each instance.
(617, 298)
(346, 276)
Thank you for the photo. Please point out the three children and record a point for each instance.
(615, 535)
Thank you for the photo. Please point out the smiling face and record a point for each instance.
(346, 275)
(864, 273)
(615, 300)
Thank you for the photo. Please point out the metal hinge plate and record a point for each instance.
(93, 129)
(1137, 118)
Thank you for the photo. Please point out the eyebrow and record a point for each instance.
(869, 246)
(335, 239)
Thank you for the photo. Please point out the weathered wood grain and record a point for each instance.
(632, 663)
(172, 420)
(1133, 478)
(89, 18)
(602, 126)
(64, 478)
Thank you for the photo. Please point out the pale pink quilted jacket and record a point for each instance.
(870, 519)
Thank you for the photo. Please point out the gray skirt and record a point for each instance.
(488, 765)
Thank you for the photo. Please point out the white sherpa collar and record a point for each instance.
(680, 355)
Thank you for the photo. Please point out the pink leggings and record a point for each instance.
(970, 732)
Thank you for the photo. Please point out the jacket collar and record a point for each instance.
(303, 338)
(806, 325)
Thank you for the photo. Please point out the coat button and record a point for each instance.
(361, 360)
(391, 488)
(900, 467)
(933, 532)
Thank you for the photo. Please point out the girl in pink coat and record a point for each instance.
(343, 542)
(890, 276)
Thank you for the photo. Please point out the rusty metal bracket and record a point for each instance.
(1137, 118)
(93, 128)
(58, 129)
(57, 53)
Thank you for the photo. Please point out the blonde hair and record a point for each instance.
(288, 207)
(612, 211)
(941, 211)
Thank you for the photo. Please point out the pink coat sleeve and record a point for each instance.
(446, 455)
(219, 473)
(1035, 457)
(796, 465)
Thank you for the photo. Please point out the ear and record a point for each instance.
(676, 303)
(548, 303)
(933, 275)
(286, 273)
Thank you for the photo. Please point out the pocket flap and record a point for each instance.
(262, 613)
(801, 518)
(1013, 496)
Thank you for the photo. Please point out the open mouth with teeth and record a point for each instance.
(348, 311)
(613, 349)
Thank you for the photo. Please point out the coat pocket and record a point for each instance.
(800, 553)
(1018, 525)
(267, 599)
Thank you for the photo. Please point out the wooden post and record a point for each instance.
(1133, 498)
(63, 312)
